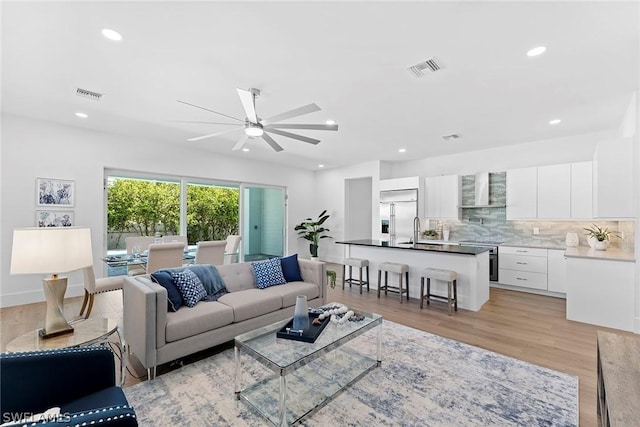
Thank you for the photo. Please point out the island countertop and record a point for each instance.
(442, 248)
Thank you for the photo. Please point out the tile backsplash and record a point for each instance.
(490, 224)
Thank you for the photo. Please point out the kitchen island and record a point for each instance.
(471, 263)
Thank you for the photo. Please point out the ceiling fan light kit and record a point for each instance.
(254, 127)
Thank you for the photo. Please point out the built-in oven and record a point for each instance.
(493, 256)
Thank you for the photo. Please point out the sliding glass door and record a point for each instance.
(263, 222)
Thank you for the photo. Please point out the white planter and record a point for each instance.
(601, 245)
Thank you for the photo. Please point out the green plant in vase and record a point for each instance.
(601, 236)
(312, 230)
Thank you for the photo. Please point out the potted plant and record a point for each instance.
(312, 230)
(599, 237)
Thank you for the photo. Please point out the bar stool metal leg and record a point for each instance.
(344, 271)
(400, 286)
(379, 277)
(455, 293)
(421, 291)
(428, 290)
(449, 302)
(360, 279)
(407, 282)
(367, 278)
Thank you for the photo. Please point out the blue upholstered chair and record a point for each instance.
(80, 381)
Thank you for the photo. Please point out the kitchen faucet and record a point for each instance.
(416, 229)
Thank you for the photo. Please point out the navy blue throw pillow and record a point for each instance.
(164, 278)
(290, 268)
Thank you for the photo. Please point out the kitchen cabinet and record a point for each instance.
(556, 271)
(408, 183)
(582, 190)
(601, 292)
(523, 267)
(613, 191)
(554, 192)
(442, 197)
(522, 188)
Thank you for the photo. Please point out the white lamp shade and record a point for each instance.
(50, 250)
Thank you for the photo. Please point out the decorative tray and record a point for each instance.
(310, 335)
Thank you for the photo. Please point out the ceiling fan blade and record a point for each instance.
(296, 126)
(241, 142)
(198, 138)
(295, 136)
(208, 123)
(211, 111)
(271, 142)
(300, 111)
(249, 105)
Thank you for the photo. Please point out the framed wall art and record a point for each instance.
(55, 193)
(54, 218)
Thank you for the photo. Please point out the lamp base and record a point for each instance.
(54, 322)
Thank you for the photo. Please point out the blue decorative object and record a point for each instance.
(301, 314)
(290, 268)
(268, 273)
(164, 278)
(190, 286)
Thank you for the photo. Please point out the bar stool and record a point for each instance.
(446, 276)
(393, 267)
(355, 262)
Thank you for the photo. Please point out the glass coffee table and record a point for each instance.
(304, 376)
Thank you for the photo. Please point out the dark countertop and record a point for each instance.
(451, 249)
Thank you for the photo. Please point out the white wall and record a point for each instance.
(32, 149)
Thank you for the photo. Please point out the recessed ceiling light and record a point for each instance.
(402, 150)
(536, 51)
(82, 115)
(111, 34)
(320, 166)
(330, 122)
(245, 149)
(554, 121)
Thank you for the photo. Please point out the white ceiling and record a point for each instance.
(350, 58)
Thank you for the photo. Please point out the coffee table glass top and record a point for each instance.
(287, 355)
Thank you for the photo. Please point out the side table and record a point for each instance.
(85, 332)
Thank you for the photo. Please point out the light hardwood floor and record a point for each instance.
(525, 326)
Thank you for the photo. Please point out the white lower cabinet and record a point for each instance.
(556, 271)
(523, 267)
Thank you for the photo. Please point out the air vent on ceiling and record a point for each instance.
(450, 137)
(431, 65)
(95, 96)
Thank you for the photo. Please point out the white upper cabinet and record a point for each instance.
(522, 190)
(582, 190)
(613, 192)
(442, 197)
(554, 192)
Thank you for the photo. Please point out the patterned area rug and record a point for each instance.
(424, 380)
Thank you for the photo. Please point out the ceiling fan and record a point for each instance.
(255, 127)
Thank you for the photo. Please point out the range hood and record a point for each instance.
(481, 193)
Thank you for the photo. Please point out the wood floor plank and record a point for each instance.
(525, 326)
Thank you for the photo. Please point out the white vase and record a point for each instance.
(601, 245)
(572, 240)
(301, 314)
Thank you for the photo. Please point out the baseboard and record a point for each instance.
(636, 325)
(528, 290)
(30, 297)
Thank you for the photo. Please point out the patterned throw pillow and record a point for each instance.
(190, 287)
(268, 273)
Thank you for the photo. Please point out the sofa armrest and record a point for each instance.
(314, 272)
(139, 315)
(36, 381)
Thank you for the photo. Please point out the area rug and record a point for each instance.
(424, 380)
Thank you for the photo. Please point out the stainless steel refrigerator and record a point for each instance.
(398, 208)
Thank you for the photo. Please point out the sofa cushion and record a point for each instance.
(289, 291)
(290, 268)
(268, 273)
(251, 303)
(191, 288)
(206, 316)
(237, 276)
(165, 279)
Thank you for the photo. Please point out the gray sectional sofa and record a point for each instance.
(156, 336)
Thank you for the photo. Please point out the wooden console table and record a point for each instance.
(618, 380)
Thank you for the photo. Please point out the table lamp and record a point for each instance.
(52, 250)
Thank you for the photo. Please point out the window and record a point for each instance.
(212, 212)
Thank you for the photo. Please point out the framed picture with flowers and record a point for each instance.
(55, 193)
